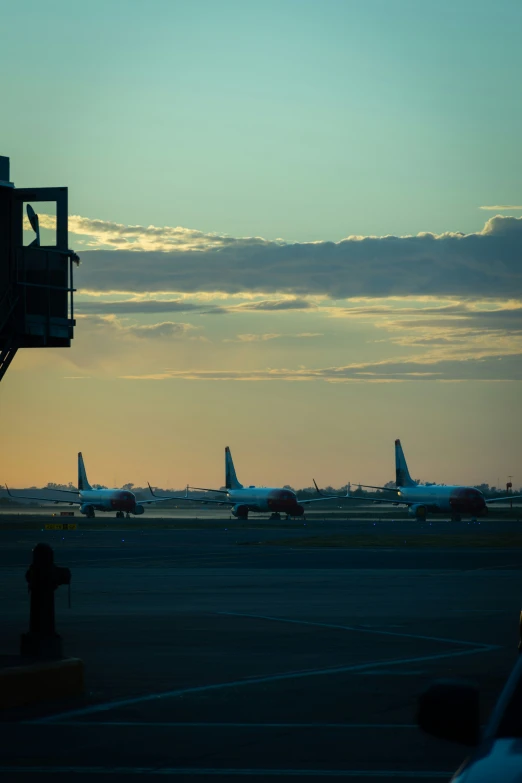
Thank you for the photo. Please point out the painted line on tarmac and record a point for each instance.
(234, 772)
(364, 629)
(482, 611)
(155, 697)
(512, 566)
(467, 571)
(385, 673)
(207, 725)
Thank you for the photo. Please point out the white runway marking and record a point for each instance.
(481, 611)
(167, 724)
(234, 772)
(359, 667)
(386, 673)
(365, 629)
(514, 566)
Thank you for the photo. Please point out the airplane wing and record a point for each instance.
(385, 489)
(394, 501)
(182, 497)
(191, 500)
(205, 489)
(69, 491)
(322, 497)
(217, 502)
(42, 500)
(157, 500)
(325, 497)
(354, 497)
(507, 497)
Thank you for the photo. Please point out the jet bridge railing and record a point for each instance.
(45, 284)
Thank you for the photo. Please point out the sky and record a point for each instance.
(300, 232)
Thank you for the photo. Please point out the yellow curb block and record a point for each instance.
(45, 681)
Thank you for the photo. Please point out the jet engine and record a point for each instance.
(138, 510)
(87, 509)
(240, 511)
(298, 511)
(418, 512)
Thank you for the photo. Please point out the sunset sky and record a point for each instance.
(300, 231)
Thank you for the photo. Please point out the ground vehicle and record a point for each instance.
(450, 710)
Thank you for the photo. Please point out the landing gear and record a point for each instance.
(456, 518)
(119, 515)
(275, 516)
(90, 513)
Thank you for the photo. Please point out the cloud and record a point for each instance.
(166, 329)
(265, 305)
(118, 236)
(457, 343)
(463, 317)
(458, 331)
(460, 316)
(112, 326)
(271, 305)
(483, 264)
(135, 306)
(257, 338)
(374, 311)
(498, 368)
(501, 207)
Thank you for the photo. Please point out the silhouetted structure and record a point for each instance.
(36, 281)
(43, 578)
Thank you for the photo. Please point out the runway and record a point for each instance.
(222, 652)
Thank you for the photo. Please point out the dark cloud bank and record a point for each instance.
(134, 306)
(485, 264)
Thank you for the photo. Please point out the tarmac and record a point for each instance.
(231, 651)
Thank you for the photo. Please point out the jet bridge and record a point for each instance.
(36, 281)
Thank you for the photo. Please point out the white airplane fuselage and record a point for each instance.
(109, 500)
(264, 499)
(257, 499)
(441, 499)
(91, 500)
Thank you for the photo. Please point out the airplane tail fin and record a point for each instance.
(231, 481)
(82, 475)
(402, 474)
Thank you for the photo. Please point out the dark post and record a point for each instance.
(43, 578)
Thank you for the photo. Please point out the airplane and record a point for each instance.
(91, 500)
(435, 498)
(255, 499)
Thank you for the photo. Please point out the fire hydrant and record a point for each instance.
(43, 578)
